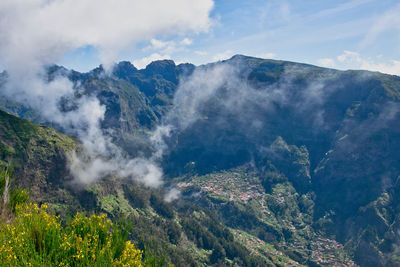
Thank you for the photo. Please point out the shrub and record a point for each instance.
(10, 198)
(37, 238)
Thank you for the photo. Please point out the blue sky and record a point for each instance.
(341, 34)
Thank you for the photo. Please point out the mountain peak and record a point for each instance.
(160, 64)
(166, 68)
(124, 69)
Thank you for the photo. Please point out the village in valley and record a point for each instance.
(230, 186)
(244, 188)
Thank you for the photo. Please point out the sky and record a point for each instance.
(355, 34)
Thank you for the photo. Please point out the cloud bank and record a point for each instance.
(354, 60)
(34, 34)
(41, 31)
(221, 97)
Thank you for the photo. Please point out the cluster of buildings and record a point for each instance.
(239, 187)
(231, 186)
(324, 252)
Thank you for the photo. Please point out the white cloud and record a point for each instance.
(223, 55)
(157, 44)
(172, 195)
(201, 53)
(348, 5)
(349, 56)
(266, 55)
(143, 62)
(353, 60)
(36, 33)
(389, 20)
(186, 41)
(326, 62)
(274, 13)
(168, 47)
(391, 67)
(43, 30)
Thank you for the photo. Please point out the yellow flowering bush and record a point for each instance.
(37, 238)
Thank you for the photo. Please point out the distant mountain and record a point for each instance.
(321, 143)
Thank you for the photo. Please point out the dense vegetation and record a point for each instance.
(30, 236)
(158, 229)
(37, 238)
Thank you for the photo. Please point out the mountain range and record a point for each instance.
(277, 163)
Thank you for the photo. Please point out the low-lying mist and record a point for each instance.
(36, 34)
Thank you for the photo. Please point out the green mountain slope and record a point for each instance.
(39, 155)
(322, 145)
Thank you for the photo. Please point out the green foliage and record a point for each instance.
(15, 195)
(210, 235)
(18, 134)
(161, 207)
(3, 176)
(37, 238)
(152, 257)
(18, 196)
